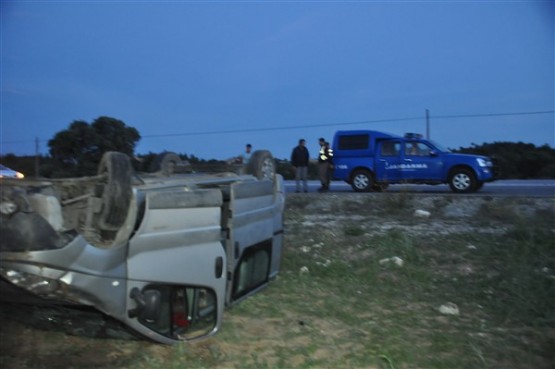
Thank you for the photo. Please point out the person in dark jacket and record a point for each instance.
(325, 165)
(299, 161)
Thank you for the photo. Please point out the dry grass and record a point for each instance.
(334, 305)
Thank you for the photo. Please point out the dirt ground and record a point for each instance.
(42, 338)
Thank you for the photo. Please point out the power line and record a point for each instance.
(242, 130)
(492, 115)
(318, 125)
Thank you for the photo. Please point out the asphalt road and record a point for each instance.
(525, 188)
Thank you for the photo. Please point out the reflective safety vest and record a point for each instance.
(325, 155)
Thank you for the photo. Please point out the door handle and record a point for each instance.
(219, 267)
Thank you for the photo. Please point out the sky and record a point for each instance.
(204, 78)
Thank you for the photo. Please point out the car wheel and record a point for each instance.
(362, 181)
(115, 190)
(165, 163)
(262, 165)
(462, 180)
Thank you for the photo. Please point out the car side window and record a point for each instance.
(353, 142)
(390, 149)
(417, 149)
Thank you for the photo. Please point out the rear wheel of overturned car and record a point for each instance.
(262, 165)
(462, 180)
(362, 180)
(115, 190)
(165, 163)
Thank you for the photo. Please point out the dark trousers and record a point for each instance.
(324, 174)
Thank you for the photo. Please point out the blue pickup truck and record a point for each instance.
(371, 160)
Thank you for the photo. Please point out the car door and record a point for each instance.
(421, 162)
(253, 223)
(176, 266)
(388, 161)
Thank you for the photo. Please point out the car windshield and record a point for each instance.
(439, 147)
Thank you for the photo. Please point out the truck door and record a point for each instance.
(421, 162)
(388, 161)
(176, 266)
(254, 226)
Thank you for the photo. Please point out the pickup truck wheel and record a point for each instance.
(462, 180)
(115, 190)
(362, 181)
(261, 165)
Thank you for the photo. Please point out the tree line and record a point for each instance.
(517, 160)
(77, 150)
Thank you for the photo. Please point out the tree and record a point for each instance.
(518, 159)
(77, 150)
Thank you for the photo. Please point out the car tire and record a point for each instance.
(362, 181)
(165, 163)
(462, 180)
(115, 190)
(261, 165)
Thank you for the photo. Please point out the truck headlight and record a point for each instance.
(483, 162)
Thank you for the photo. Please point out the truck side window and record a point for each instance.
(353, 142)
(390, 149)
(417, 149)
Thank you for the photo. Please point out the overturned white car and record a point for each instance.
(163, 253)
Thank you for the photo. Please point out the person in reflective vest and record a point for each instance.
(325, 164)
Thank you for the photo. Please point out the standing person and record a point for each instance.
(299, 161)
(325, 164)
(240, 162)
(247, 155)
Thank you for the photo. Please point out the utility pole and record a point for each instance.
(36, 157)
(427, 124)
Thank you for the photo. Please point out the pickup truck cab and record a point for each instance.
(163, 253)
(371, 160)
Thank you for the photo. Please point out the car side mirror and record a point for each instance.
(433, 153)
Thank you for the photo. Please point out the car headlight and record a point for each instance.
(483, 162)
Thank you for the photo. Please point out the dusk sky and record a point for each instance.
(206, 77)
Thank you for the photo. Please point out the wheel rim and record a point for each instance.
(461, 181)
(268, 168)
(360, 181)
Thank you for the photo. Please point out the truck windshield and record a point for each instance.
(439, 147)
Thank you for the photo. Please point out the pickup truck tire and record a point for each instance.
(115, 190)
(262, 165)
(462, 180)
(362, 181)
